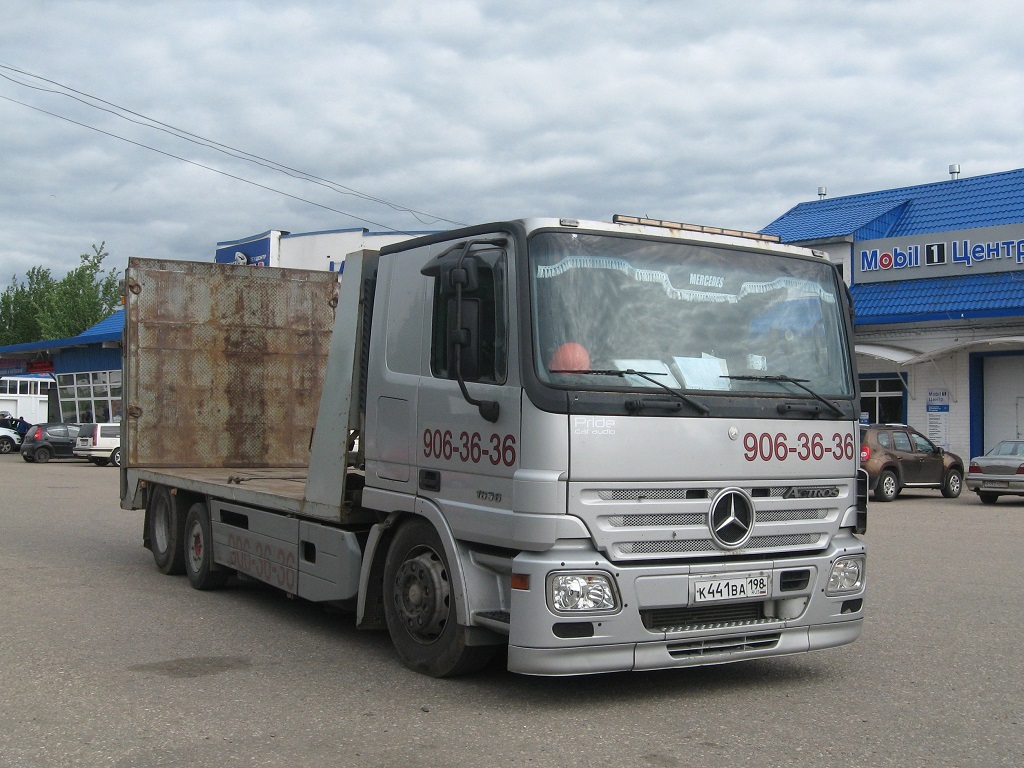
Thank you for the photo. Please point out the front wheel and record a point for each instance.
(952, 484)
(115, 457)
(419, 608)
(202, 572)
(888, 486)
(987, 498)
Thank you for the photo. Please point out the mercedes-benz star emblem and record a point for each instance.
(732, 518)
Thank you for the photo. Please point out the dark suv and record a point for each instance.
(897, 456)
(48, 441)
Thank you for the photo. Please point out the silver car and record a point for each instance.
(1000, 472)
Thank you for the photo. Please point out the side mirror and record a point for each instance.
(466, 338)
(457, 271)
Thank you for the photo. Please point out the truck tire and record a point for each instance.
(165, 535)
(419, 607)
(6, 444)
(199, 566)
(888, 486)
(952, 484)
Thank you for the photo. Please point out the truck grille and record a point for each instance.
(757, 542)
(705, 617)
(718, 645)
(655, 523)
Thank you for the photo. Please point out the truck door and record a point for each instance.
(469, 403)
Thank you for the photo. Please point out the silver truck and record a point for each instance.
(600, 446)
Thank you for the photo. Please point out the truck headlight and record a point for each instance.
(847, 575)
(581, 593)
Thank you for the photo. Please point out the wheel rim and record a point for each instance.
(954, 483)
(422, 595)
(889, 485)
(115, 458)
(195, 546)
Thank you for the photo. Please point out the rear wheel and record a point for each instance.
(888, 486)
(199, 566)
(6, 444)
(99, 462)
(115, 457)
(165, 534)
(42, 455)
(419, 606)
(952, 484)
(987, 498)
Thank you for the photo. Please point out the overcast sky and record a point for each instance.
(721, 113)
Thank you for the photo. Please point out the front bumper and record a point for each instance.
(660, 626)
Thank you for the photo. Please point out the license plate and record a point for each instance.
(997, 484)
(732, 588)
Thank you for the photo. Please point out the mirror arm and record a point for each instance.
(489, 409)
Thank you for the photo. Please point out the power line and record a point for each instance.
(148, 122)
(200, 165)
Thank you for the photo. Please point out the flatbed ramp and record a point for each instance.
(280, 488)
(225, 364)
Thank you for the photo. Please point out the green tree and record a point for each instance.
(42, 308)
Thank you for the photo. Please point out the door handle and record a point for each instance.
(430, 480)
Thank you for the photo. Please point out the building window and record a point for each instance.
(90, 397)
(881, 400)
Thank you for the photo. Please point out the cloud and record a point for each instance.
(726, 113)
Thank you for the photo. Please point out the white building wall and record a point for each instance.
(950, 374)
(327, 250)
(1004, 399)
(25, 396)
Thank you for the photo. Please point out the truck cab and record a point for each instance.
(647, 432)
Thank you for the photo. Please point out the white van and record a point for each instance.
(100, 444)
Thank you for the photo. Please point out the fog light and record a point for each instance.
(581, 593)
(847, 576)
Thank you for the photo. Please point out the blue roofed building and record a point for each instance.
(937, 277)
(83, 372)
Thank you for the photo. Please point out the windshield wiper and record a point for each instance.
(801, 383)
(640, 403)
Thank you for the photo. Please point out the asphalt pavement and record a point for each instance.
(106, 662)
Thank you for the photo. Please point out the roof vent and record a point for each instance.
(822, 191)
(954, 171)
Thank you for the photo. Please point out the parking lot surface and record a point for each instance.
(104, 661)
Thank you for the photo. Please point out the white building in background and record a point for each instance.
(27, 396)
(305, 250)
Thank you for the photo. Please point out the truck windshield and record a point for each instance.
(690, 317)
